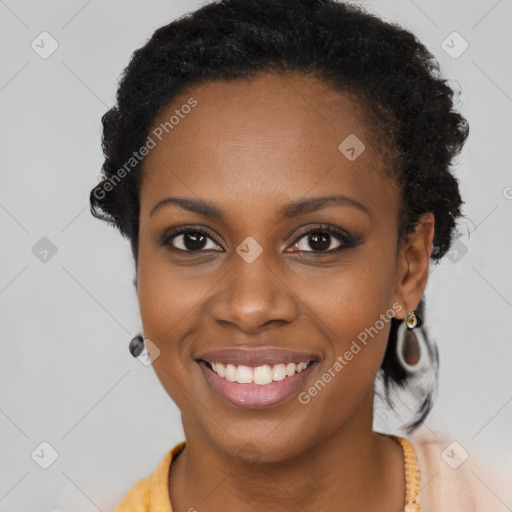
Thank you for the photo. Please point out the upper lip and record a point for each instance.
(257, 357)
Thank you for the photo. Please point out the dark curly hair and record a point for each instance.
(406, 103)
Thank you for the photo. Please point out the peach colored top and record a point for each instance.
(440, 477)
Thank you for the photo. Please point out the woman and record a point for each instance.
(282, 171)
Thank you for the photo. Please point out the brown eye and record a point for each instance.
(323, 240)
(192, 241)
(188, 240)
(318, 241)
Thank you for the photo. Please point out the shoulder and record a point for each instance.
(137, 498)
(454, 476)
(151, 492)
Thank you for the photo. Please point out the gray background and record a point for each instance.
(67, 377)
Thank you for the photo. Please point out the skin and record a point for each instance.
(250, 147)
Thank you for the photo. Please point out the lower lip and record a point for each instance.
(256, 396)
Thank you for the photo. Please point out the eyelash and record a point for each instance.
(347, 241)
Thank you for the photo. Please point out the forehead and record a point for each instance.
(274, 138)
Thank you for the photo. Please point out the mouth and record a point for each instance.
(260, 375)
(267, 378)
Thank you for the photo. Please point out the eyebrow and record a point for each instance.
(287, 211)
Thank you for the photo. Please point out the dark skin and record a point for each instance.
(249, 148)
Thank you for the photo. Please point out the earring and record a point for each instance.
(136, 346)
(411, 345)
(412, 321)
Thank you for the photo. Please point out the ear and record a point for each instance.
(413, 265)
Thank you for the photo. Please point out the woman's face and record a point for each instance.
(249, 287)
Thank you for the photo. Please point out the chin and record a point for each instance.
(265, 446)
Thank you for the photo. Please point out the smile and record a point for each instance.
(256, 378)
(261, 375)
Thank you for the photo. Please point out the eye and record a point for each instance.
(322, 238)
(188, 239)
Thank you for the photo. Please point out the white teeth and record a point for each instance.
(279, 372)
(261, 375)
(301, 366)
(244, 374)
(290, 369)
(220, 369)
(230, 372)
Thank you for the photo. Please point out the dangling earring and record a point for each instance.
(410, 345)
(136, 346)
(412, 321)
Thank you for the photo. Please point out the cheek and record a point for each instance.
(168, 309)
(358, 319)
(351, 299)
(167, 301)
(356, 307)
(163, 297)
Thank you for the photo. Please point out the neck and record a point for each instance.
(354, 468)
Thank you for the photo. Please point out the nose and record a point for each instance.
(254, 296)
